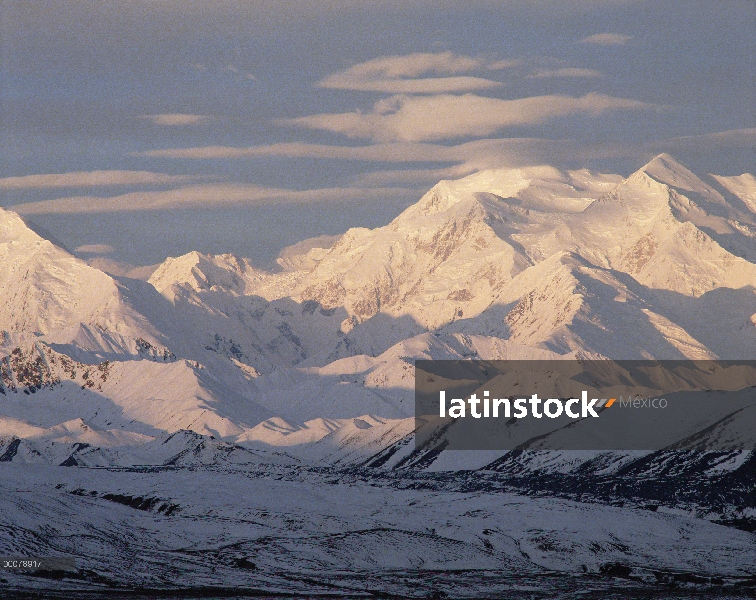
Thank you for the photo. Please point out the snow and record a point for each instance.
(355, 529)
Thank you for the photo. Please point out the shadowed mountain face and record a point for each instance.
(213, 363)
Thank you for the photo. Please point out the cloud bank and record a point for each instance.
(733, 138)
(95, 249)
(91, 179)
(422, 118)
(463, 159)
(607, 39)
(477, 154)
(382, 152)
(401, 74)
(564, 72)
(200, 196)
(176, 119)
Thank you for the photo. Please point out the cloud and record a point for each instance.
(200, 196)
(176, 119)
(468, 157)
(431, 85)
(499, 65)
(413, 65)
(462, 158)
(421, 118)
(479, 153)
(733, 138)
(400, 74)
(121, 269)
(607, 39)
(387, 152)
(412, 177)
(95, 249)
(91, 179)
(241, 74)
(565, 72)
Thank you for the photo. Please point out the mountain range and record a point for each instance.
(523, 263)
(306, 371)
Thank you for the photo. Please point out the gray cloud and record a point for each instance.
(91, 179)
(95, 249)
(388, 152)
(176, 119)
(564, 72)
(607, 39)
(198, 196)
(733, 138)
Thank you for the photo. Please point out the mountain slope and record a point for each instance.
(49, 292)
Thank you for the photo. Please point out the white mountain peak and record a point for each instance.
(45, 288)
(304, 255)
(665, 163)
(665, 169)
(741, 186)
(223, 272)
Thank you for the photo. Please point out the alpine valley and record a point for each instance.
(225, 430)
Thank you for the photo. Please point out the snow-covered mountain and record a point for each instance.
(48, 292)
(525, 263)
(239, 417)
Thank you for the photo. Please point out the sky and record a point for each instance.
(133, 130)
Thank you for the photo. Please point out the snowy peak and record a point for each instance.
(741, 186)
(47, 291)
(304, 255)
(543, 188)
(665, 169)
(205, 272)
(411, 264)
(446, 201)
(669, 229)
(14, 229)
(726, 197)
(665, 182)
(448, 255)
